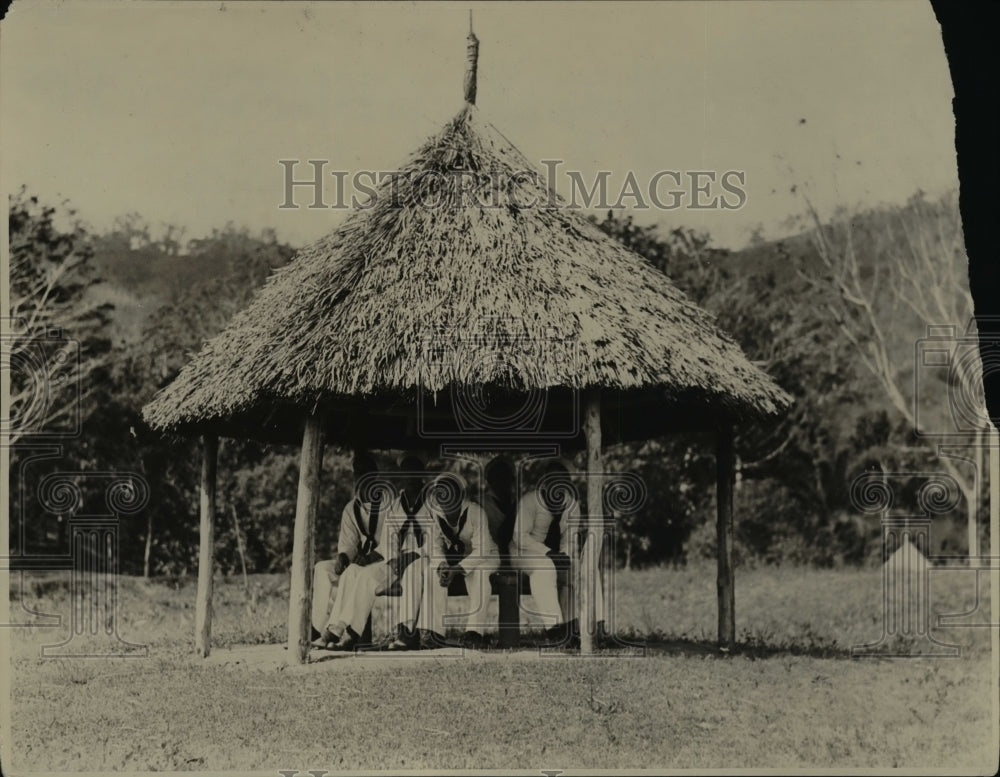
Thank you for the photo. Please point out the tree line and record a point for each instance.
(837, 314)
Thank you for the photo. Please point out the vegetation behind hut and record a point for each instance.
(792, 499)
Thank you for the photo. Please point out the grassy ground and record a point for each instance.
(789, 696)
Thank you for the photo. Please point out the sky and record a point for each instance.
(180, 111)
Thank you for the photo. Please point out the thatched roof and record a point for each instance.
(496, 289)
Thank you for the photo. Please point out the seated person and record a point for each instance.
(460, 545)
(500, 500)
(541, 547)
(359, 565)
(409, 526)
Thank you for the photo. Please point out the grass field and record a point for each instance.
(790, 695)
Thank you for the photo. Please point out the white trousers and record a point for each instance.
(542, 575)
(323, 581)
(355, 596)
(553, 604)
(434, 603)
(411, 583)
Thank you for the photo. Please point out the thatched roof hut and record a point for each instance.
(463, 292)
(466, 271)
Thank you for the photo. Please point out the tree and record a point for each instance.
(221, 273)
(195, 312)
(793, 472)
(887, 273)
(57, 336)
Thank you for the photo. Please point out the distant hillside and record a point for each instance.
(152, 275)
(139, 279)
(777, 258)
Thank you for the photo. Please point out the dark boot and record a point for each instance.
(430, 640)
(348, 641)
(326, 640)
(406, 639)
(556, 636)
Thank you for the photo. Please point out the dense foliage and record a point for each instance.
(138, 305)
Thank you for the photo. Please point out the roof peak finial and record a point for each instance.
(472, 59)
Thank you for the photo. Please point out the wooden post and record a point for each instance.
(508, 601)
(725, 477)
(595, 508)
(206, 549)
(972, 497)
(606, 562)
(306, 507)
(994, 549)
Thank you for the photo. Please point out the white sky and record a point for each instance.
(180, 111)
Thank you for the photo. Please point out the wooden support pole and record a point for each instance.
(206, 548)
(725, 481)
(606, 562)
(595, 509)
(508, 600)
(306, 507)
(994, 550)
(972, 497)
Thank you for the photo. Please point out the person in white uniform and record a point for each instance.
(460, 546)
(409, 527)
(542, 547)
(358, 569)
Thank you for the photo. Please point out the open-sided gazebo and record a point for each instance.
(464, 305)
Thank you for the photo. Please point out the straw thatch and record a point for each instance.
(453, 280)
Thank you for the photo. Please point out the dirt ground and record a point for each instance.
(791, 695)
